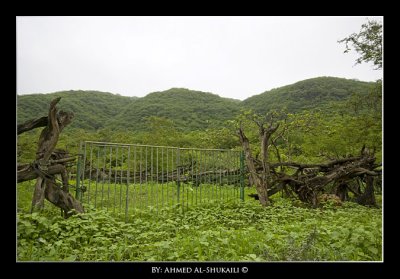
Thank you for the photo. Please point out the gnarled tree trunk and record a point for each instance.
(262, 177)
(261, 186)
(44, 169)
(308, 181)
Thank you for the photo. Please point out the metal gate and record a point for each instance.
(127, 178)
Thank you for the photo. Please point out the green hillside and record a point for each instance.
(92, 109)
(307, 94)
(188, 109)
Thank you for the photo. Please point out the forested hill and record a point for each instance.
(92, 109)
(307, 94)
(188, 109)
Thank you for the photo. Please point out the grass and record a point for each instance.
(122, 199)
(210, 231)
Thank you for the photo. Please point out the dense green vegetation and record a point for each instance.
(331, 130)
(92, 109)
(307, 94)
(287, 231)
(180, 117)
(188, 110)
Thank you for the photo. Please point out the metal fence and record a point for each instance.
(124, 178)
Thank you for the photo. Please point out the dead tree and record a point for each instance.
(307, 181)
(260, 176)
(48, 163)
(340, 172)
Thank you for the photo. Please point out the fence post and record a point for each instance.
(242, 176)
(178, 182)
(78, 194)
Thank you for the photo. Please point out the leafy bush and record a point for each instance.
(212, 232)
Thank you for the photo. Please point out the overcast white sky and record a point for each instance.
(233, 57)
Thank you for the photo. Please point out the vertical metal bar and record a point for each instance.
(120, 181)
(209, 167)
(220, 157)
(193, 182)
(237, 175)
(228, 166)
(103, 174)
(146, 183)
(224, 159)
(172, 174)
(127, 185)
(157, 179)
(206, 183)
(227, 171)
(235, 166)
(214, 175)
(237, 185)
(211, 173)
(90, 171)
(134, 177)
(115, 178)
(213, 179)
(226, 174)
(207, 188)
(178, 174)
(78, 174)
(200, 174)
(184, 185)
(231, 167)
(209, 170)
(167, 177)
(225, 193)
(97, 176)
(83, 169)
(162, 176)
(242, 176)
(187, 178)
(189, 189)
(151, 178)
(109, 178)
(222, 166)
(218, 175)
(232, 187)
(140, 175)
(182, 169)
(197, 172)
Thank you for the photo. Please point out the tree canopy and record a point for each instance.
(189, 110)
(368, 43)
